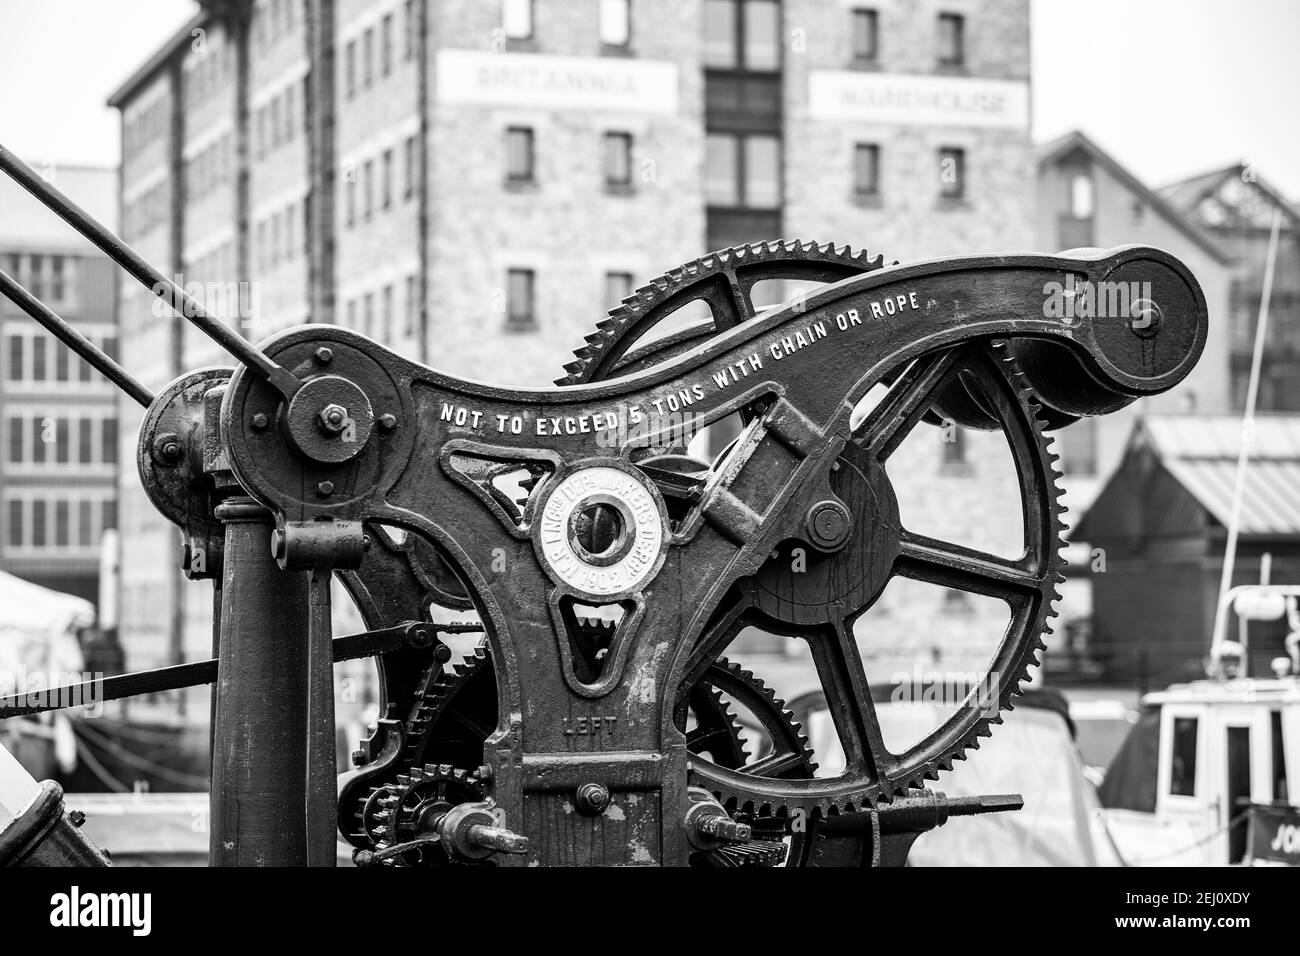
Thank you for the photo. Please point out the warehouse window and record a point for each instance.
(618, 286)
(38, 523)
(386, 45)
(38, 359)
(15, 523)
(367, 313)
(351, 180)
(952, 39)
(408, 171)
(351, 69)
(108, 441)
(743, 171)
(15, 358)
(386, 316)
(517, 18)
(109, 511)
(367, 189)
(411, 304)
(367, 58)
(387, 182)
(742, 35)
(17, 441)
(85, 448)
(952, 173)
(865, 36)
(722, 169)
(618, 160)
(615, 22)
(866, 170)
(521, 312)
(85, 533)
(519, 155)
(408, 29)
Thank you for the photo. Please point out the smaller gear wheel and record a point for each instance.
(408, 809)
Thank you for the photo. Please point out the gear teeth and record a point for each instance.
(586, 364)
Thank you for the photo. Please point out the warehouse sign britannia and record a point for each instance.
(505, 79)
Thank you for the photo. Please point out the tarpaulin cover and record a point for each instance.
(1130, 782)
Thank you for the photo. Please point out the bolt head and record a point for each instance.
(333, 418)
(829, 524)
(359, 758)
(260, 421)
(387, 422)
(592, 799)
(76, 817)
(325, 488)
(324, 355)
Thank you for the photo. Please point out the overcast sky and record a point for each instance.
(1169, 87)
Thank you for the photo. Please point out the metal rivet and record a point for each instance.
(387, 422)
(260, 421)
(326, 488)
(324, 356)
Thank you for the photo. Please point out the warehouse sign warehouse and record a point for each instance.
(917, 100)
(556, 82)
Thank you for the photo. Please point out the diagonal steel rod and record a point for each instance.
(347, 648)
(73, 339)
(112, 246)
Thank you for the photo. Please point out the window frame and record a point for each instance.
(958, 20)
(953, 193)
(521, 320)
(617, 144)
(529, 137)
(871, 16)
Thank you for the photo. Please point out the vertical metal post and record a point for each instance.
(260, 742)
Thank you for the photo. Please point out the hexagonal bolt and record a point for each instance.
(324, 356)
(76, 817)
(723, 829)
(167, 449)
(497, 839)
(359, 758)
(259, 421)
(325, 489)
(387, 421)
(591, 800)
(333, 418)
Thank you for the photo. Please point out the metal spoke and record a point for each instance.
(908, 400)
(776, 765)
(713, 643)
(941, 562)
(848, 694)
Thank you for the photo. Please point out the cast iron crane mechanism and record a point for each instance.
(604, 570)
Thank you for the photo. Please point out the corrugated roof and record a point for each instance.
(1201, 452)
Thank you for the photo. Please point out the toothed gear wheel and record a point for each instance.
(725, 282)
(408, 809)
(783, 753)
(976, 385)
(453, 713)
(802, 608)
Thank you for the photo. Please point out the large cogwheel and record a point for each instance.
(821, 603)
(977, 385)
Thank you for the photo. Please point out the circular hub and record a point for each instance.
(330, 419)
(602, 531)
(811, 587)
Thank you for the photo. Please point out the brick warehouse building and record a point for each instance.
(474, 182)
(58, 416)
